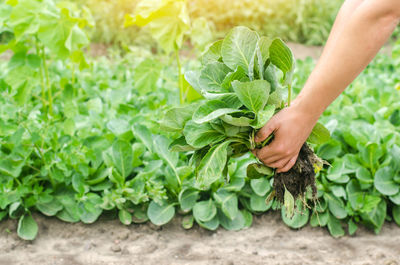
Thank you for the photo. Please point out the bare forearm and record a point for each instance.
(354, 41)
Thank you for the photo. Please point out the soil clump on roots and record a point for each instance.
(299, 177)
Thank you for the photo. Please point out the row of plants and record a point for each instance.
(98, 147)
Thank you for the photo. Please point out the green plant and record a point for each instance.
(50, 31)
(239, 80)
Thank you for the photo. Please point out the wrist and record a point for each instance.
(308, 111)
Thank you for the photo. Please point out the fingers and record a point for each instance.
(265, 131)
(273, 152)
(288, 165)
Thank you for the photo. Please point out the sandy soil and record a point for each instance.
(268, 241)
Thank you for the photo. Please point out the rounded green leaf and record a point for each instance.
(384, 181)
(335, 226)
(160, 214)
(204, 211)
(125, 217)
(258, 204)
(300, 217)
(27, 227)
(187, 221)
(239, 222)
(187, 198)
(254, 95)
(364, 175)
(228, 202)
(210, 225)
(336, 206)
(260, 186)
(239, 48)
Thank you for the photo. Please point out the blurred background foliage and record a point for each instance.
(303, 21)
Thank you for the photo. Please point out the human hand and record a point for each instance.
(291, 128)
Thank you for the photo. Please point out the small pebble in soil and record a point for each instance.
(115, 248)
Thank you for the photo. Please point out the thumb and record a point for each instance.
(265, 131)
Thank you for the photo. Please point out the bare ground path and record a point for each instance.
(268, 241)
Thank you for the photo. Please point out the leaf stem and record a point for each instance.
(46, 71)
(178, 61)
(41, 76)
(289, 94)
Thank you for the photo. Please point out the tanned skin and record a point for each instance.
(360, 30)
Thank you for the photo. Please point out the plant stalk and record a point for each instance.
(38, 53)
(46, 71)
(181, 95)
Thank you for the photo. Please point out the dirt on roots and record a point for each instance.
(298, 178)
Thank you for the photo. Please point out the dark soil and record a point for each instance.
(298, 178)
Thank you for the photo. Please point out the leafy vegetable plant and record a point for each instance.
(243, 79)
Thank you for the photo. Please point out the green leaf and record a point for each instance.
(395, 198)
(254, 95)
(376, 217)
(187, 221)
(319, 219)
(204, 211)
(211, 110)
(118, 126)
(396, 214)
(210, 225)
(213, 53)
(239, 48)
(300, 217)
(175, 119)
(256, 170)
(161, 145)
(288, 204)
(336, 206)
(146, 75)
(190, 93)
(27, 227)
(248, 218)
(319, 134)
(264, 43)
(144, 135)
(384, 183)
(335, 227)
(370, 154)
(258, 203)
(354, 194)
(282, 57)
(263, 116)
(239, 74)
(212, 166)
(237, 121)
(122, 157)
(330, 149)
(212, 76)
(180, 145)
(260, 186)
(49, 208)
(364, 175)
(125, 217)
(200, 135)
(168, 21)
(77, 39)
(24, 18)
(352, 227)
(228, 202)
(160, 214)
(187, 198)
(235, 224)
